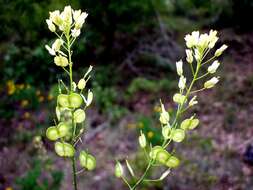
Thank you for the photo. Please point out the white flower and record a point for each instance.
(179, 65)
(193, 101)
(212, 68)
(220, 50)
(80, 20)
(76, 14)
(55, 17)
(210, 83)
(50, 25)
(197, 55)
(142, 140)
(189, 57)
(75, 33)
(192, 40)
(203, 41)
(50, 50)
(57, 45)
(66, 15)
(212, 38)
(61, 61)
(164, 116)
(182, 82)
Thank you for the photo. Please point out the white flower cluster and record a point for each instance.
(69, 22)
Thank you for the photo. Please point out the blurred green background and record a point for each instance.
(133, 46)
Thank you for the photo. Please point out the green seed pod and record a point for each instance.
(166, 131)
(89, 98)
(63, 100)
(75, 100)
(79, 116)
(81, 84)
(179, 98)
(87, 161)
(118, 170)
(178, 135)
(142, 140)
(52, 133)
(154, 151)
(162, 156)
(172, 162)
(63, 129)
(58, 113)
(189, 123)
(64, 149)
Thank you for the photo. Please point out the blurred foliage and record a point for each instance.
(33, 179)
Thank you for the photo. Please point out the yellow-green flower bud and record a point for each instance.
(57, 45)
(81, 84)
(179, 65)
(193, 101)
(220, 50)
(189, 56)
(50, 25)
(182, 82)
(164, 116)
(64, 149)
(61, 61)
(212, 68)
(87, 161)
(55, 17)
(142, 140)
(79, 116)
(89, 98)
(179, 98)
(166, 131)
(118, 171)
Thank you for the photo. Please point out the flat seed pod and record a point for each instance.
(52, 133)
(194, 124)
(87, 161)
(189, 124)
(166, 132)
(162, 156)
(178, 135)
(154, 151)
(118, 171)
(79, 116)
(63, 129)
(64, 149)
(63, 100)
(75, 100)
(179, 98)
(172, 162)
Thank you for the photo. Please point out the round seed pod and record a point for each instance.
(166, 132)
(194, 124)
(162, 156)
(64, 149)
(189, 124)
(63, 129)
(118, 171)
(172, 162)
(79, 116)
(154, 151)
(52, 133)
(63, 100)
(87, 161)
(178, 135)
(75, 100)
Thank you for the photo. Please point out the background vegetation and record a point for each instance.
(133, 46)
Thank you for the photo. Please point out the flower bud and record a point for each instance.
(212, 68)
(75, 100)
(118, 170)
(193, 101)
(50, 25)
(192, 40)
(189, 57)
(76, 14)
(87, 161)
(64, 149)
(89, 98)
(212, 38)
(81, 84)
(210, 83)
(164, 175)
(142, 140)
(172, 162)
(164, 116)
(79, 116)
(80, 20)
(179, 65)
(55, 17)
(197, 55)
(182, 82)
(179, 98)
(177, 135)
(130, 168)
(61, 61)
(220, 50)
(75, 32)
(50, 50)
(57, 45)
(52, 133)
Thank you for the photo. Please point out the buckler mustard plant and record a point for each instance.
(73, 100)
(200, 59)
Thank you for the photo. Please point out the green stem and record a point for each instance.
(74, 172)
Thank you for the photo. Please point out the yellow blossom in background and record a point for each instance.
(27, 115)
(50, 97)
(38, 92)
(21, 86)
(8, 188)
(11, 88)
(41, 98)
(150, 134)
(140, 125)
(157, 109)
(24, 103)
(28, 86)
(131, 125)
